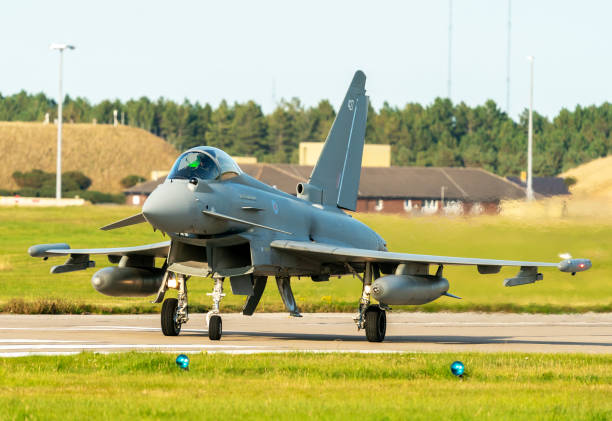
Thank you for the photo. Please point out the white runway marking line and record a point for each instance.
(99, 328)
(36, 341)
(36, 354)
(140, 328)
(122, 346)
(222, 351)
(116, 327)
(492, 324)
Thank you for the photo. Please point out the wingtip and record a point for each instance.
(40, 250)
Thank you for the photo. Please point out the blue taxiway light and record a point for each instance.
(457, 368)
(183, 361)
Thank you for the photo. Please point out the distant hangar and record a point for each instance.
(399, 190)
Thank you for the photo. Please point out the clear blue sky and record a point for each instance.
(239, 50)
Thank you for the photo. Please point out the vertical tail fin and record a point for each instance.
(338, 169)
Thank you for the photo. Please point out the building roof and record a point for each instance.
(145, 187)
(546, 186)
(465, 184)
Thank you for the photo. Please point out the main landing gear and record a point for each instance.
(372, 318)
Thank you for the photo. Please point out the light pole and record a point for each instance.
(58, 177)
(450, 41)
(530, 136)
(508, 58)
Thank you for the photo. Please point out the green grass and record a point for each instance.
(27, 279)
(303, 386)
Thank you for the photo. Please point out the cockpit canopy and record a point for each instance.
(204, 163)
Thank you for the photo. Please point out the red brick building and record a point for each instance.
(412, 190)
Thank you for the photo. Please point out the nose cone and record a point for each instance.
(172, 207)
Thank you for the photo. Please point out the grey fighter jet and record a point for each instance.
(224, 224)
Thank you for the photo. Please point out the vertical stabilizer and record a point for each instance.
(339, 167)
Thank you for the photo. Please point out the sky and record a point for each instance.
(266, 50)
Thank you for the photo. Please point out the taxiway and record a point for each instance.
(324, 332)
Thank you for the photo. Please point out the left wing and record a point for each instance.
(331, 253)
(79, 258)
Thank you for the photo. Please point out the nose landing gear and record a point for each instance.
(213, 318)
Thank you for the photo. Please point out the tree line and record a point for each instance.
(438, 134)
(38, 183)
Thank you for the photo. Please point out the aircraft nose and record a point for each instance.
(172, 207)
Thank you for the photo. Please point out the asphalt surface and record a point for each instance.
(274, 332)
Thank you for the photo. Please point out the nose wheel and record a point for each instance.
(169, 318)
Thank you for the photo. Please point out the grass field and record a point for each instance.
(102, 152)
(28, 279)
(307, 386)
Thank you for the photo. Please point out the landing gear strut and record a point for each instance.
(372, 318)
(213, 318)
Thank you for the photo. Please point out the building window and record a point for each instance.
(408, 205)
(379, 205)
(453, 207)
(135, 199)
(477, 208)
(429, 206)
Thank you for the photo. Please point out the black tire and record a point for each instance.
(215, 328)
(375, 324)
(168, 318)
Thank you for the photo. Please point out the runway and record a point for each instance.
(22, 335)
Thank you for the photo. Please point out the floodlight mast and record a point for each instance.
(58, 176)
(530, 136)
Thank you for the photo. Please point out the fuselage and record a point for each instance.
(208, 202)
(177, 207)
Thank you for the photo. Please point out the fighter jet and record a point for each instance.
(224, 224)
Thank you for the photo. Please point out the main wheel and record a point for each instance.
(375, 324)
(169, 324)
(215, 328)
